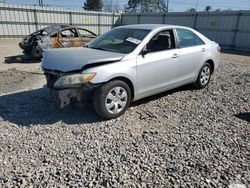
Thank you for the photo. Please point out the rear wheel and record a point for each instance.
(112, 99)
(203, 76)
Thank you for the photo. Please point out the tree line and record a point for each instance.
(134, 6)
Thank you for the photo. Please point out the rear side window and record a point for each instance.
(187, 38)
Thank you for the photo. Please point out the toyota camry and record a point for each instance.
(128, 63)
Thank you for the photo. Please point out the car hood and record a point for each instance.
(72, 59)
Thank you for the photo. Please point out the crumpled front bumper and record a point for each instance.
(64, 95)
(25, 46)
(82, 93)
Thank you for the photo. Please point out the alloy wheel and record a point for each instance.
(116, 100)
(205, 75)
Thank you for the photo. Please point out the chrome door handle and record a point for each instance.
(175, 56)
(203, 49)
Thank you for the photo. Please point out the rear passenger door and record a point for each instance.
(192, 52)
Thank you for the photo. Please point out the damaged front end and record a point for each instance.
(44, 43)
(34, 44)
(66, 87)
(68, 71)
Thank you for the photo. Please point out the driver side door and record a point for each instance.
(158, 68)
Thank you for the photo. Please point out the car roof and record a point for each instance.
(152, 26)
(54, 28)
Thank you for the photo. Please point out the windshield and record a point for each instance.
(120, 40)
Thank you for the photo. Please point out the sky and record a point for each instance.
(174, 5)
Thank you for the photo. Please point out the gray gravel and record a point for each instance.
(181, 138)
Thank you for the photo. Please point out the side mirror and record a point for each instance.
(145, 50)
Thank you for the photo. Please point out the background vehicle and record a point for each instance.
(129, 63)
(55, 36)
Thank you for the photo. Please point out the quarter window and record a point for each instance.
(187, 38)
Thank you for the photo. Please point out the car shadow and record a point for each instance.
(20, 59)
(244, 116)
(38, 107)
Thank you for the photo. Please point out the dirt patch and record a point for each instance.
(14, 80)
(235, 58)
(11, 56)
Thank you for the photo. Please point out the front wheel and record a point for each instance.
(112, 99)
(203, 76)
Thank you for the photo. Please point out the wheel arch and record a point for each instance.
(211, 63)
(127, 81)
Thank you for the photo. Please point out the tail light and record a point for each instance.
(219, 49)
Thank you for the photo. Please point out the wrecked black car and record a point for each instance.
(55, 36)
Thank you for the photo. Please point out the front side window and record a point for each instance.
(163, 40)
(187, 38)
(120, 40)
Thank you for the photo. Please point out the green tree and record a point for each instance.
(192, 10)
(147, 6)
(163, 6)
(208, 8)
(95, 5)
(133, 5)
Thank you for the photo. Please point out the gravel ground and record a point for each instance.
(181, 138)
(17, 80)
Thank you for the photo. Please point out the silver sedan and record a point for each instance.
(129, 63)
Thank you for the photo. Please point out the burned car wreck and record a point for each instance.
(128, 63)
(55, 36)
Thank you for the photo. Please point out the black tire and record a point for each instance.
(199, 84)
(100, 97)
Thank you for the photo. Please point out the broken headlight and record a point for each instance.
(73, 80)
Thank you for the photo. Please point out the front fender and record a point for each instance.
(106, 72)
